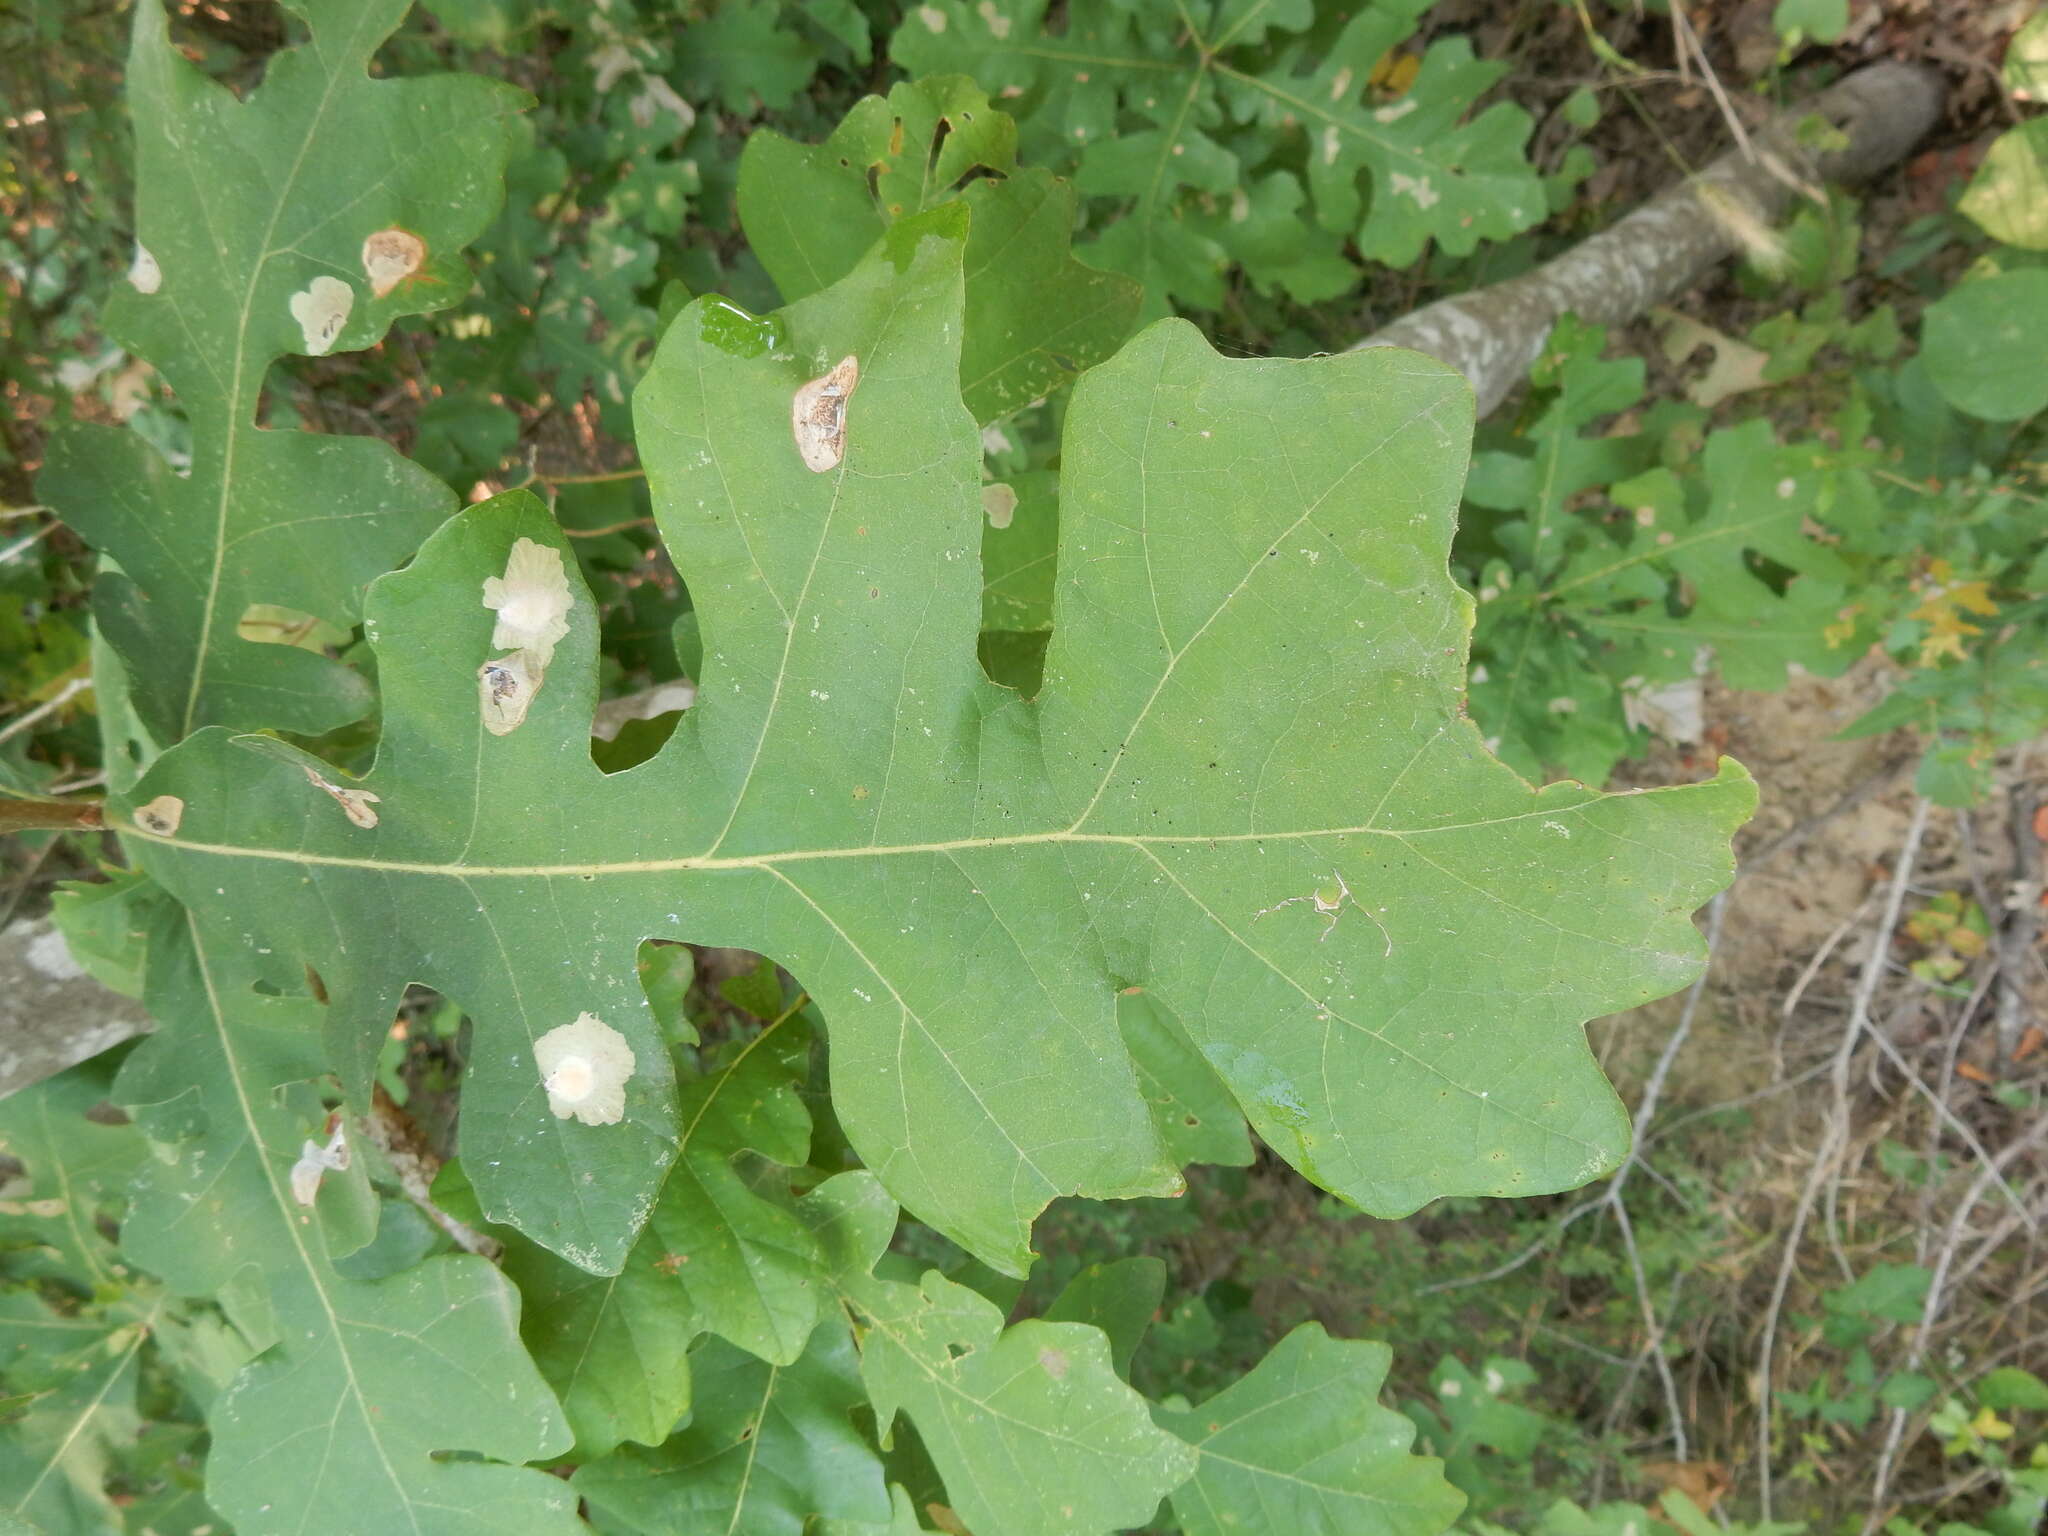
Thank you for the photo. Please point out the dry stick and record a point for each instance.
(1949, 1118)
(1689, 42)
(1832, 1141)
(1931, 1308)
(2022, 925)
(64, 696)
(1493, 334)
(1646, 1109)
(1798, 992)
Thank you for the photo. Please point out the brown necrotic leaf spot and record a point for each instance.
(818, 416)
(390, 256)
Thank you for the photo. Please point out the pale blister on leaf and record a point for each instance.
(817, 415)
(1253, 699)
(322, 309)
(584, 1067)
(161, 815)
(315, 1161)
(390, 256)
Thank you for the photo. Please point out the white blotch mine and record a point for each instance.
(817, 415)
(390, 256)
(1417, 187)
(1000, 503)
(143, 271)
(314, 1161)
(161, 815)
(656, 97)
(998, 23)
(532, 601)
(1394, 112)
(608, 63)
(355, 803)
(584, 1067)
(933, 18)
(321, 308)
(505, 689)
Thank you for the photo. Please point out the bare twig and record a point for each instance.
(1937, 1289)
(50, 706)
(1689, 45)
(26, 541)
(1833, 1139)
(1492, 334)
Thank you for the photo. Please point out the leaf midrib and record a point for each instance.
(352, 1386)
(707, 861)
(233, 422)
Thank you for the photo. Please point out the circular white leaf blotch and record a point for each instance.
(390, 256)
(321, 308)
(584, 1067)
(532, 601)
(143, 271)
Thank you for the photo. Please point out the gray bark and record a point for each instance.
(1492, 335)
(52, 1014)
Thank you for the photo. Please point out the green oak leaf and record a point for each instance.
(254, 219)
(342, 1418)
(1609, 599)
(767, 1449)
(73, 1318)
(1191, 1104)
(1432, 177)
(77, 1167)
(614, 1347)
(1248, 786)
(1262, 229)
(1020, 552)
(1760, 502)
(1035, 316)
(1119, 1297)
(748, 1267)
(745, 53)
(1197, 119)
(1303, 1445)
(1029, 1425)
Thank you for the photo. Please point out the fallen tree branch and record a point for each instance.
(1492, 335)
